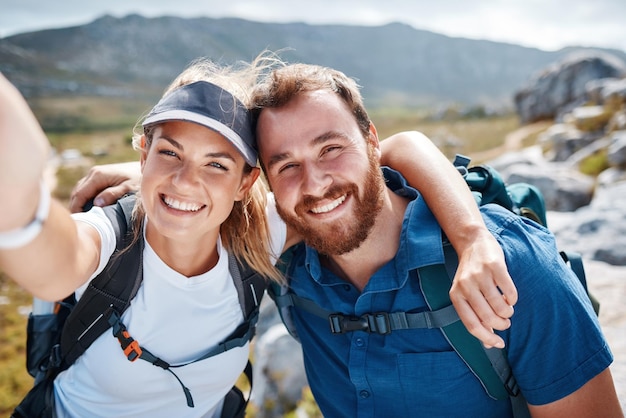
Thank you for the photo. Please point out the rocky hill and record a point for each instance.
(395, 63)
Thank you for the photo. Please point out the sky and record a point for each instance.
(544, 24)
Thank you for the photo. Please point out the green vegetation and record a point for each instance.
(453, 134)
(101, 130)
(594, 164)
(88, 114)
(14, 380)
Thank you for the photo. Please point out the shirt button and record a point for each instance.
(359, 342)
(364, 394)
(347, 287)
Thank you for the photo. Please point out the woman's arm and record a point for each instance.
(482, 292)
(41, 247)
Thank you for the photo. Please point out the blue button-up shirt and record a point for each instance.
(555, 344)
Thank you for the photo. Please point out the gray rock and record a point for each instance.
(278, 372)
(616, 152)
(564, 84)
(597, 231)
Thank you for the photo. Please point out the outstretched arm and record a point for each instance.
(37, 236)
(482, 292)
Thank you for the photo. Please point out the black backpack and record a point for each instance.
(490, 366)
(56, 340)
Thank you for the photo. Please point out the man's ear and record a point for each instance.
(373, 140)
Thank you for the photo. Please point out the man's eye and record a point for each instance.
(331, 149)
(286, 167)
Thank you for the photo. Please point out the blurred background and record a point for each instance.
(536, 89)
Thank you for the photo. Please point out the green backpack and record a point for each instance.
(490, 366)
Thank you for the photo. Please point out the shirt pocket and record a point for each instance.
(440, 384)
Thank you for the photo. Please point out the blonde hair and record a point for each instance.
(245, 233)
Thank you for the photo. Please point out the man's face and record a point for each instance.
(325, 178)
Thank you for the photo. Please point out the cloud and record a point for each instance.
(536, 23)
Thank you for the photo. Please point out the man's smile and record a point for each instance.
(330, 206)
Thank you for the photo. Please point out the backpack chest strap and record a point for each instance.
(379, 322)
(133, 351)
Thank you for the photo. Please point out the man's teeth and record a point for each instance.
(327, 208)
(185, 206)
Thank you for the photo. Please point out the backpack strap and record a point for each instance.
(575, 262)
(250, 288)
(489, 365)
(435, 282)
(278, 291)
(378, 323)
(111, 288)
(235, 402)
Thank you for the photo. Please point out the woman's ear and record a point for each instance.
(143, 151)
(246, 183)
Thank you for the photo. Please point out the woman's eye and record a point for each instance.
(217, 165)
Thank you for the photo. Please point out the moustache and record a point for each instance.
(308, 202)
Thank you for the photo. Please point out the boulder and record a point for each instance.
(563, 84)
(562, 140)
(597, 231)
(616, 152)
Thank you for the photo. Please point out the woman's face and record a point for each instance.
(191, 178)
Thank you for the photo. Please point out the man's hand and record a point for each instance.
(483, 293)
(105, 184)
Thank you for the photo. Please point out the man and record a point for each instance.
(321, 156)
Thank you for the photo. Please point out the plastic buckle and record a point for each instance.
(340, 324)
(133, 351)
(511, 385)
(55, 357)
(379, 323)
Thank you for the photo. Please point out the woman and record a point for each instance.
(198, 199)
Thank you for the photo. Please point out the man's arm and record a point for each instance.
(596, 398)
(482, 292)
(105, 184)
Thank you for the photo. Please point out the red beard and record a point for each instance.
(341, 236)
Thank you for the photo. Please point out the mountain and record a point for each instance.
(396, 64)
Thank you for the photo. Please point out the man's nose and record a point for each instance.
(315, 180)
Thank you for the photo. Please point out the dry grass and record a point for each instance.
(14, 380)
(452, 136)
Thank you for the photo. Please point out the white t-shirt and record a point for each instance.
(177, 319)
(277, 227)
